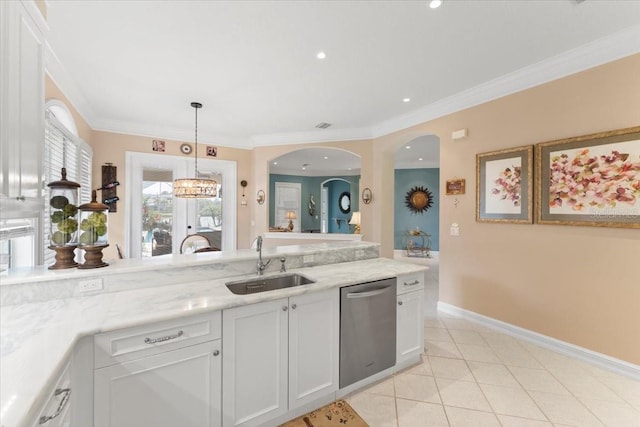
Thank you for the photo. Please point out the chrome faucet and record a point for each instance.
(261, 266)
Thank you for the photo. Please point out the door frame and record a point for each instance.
(181, 166)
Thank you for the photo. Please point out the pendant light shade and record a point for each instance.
(195, 188)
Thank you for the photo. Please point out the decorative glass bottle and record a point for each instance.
(93, 232)
(63, 211)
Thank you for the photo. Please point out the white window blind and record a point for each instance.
(63, 149)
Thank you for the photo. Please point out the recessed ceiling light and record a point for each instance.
(408, 147)
(321, 55)
(420, 158)
(275, 163)
(304, 168)
(435, 4)
(406, 99)
(350, 168)
(326, 157)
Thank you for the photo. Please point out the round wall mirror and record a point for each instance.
(344, 202)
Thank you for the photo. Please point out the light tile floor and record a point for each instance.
(474, 376)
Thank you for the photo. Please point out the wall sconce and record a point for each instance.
(367, 196)
(355, 220)
(261, 197)
(291, 215)
(243, 203)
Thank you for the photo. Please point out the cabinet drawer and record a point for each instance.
(142, 341)
(410, 282)
(55, 412)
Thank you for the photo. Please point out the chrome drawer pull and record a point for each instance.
(399, 302)
(161, 339)
(65, 399)
(415, 282)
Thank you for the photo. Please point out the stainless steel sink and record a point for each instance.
(271, 283)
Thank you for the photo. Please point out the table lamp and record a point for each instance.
(291, 215)
(355, 220)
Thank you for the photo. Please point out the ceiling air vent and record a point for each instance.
(323, 125)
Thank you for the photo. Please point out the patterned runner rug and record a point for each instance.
(335, 414)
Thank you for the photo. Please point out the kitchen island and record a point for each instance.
(44, 314)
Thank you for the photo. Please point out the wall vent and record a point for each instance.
(323, 125)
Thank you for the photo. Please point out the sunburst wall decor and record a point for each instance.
(418, 200)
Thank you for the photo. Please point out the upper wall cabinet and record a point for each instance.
(21, 107)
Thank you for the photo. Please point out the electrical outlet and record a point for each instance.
(307, 259)
(454, 230)
(90, 285)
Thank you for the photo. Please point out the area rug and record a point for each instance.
(335, 414)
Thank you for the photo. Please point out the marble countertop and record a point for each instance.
(36, 338)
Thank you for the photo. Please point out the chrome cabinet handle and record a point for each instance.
(284, 308)
(399, 302)
(65, 399)
(216, 352)
(415, 282)
(161, 339)
(294, 306)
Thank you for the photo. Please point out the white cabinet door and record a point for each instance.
(176, 388)
(410, 326)
(314, 333)
(255, 363)
(22, 104)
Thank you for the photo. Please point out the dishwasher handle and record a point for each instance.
(367, 294)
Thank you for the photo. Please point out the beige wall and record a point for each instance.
(111, 147)
(577, 284)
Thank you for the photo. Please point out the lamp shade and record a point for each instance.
(291, 215)
(355, 218)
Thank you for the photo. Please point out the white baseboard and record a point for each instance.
(622, 367)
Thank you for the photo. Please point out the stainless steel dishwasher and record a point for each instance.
(367, 329)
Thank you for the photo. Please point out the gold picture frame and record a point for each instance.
(504, 186)
(590, 180)
(455, 186)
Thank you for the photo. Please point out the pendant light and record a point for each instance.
(192, 188)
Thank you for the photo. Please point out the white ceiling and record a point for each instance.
(134, 66)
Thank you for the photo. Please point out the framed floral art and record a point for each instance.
(591, 180)
(504, 186)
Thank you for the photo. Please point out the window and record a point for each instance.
(63, 148)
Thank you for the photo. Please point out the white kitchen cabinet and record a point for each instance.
(21, 106)
(163, 374)
(410, 318)
(175, 388)
(279, 355)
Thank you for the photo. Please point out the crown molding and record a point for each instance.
(607, 49)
